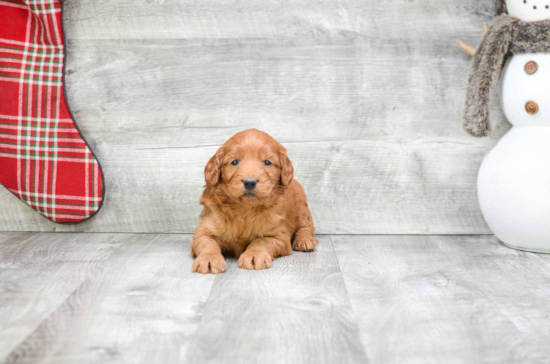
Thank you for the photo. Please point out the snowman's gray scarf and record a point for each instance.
(507, 36)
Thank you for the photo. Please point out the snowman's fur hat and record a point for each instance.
(506, 36)
(500, 7)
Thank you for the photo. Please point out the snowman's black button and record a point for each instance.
(531, 67)
(531, 107)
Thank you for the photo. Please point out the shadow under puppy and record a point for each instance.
(253, 207)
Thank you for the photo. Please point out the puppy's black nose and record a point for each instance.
(250, 183)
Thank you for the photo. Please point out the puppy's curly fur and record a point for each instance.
(507, 36)
(256, 225)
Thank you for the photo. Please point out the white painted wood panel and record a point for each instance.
(418, 188)
(369, 109)
(189, 93)
(143, 19)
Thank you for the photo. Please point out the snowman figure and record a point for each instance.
(514, 178)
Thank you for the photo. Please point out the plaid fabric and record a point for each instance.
(43, 158)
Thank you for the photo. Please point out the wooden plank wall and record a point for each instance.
(366, 95)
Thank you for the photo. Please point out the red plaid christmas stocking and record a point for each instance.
(43, 159)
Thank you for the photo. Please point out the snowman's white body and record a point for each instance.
(514, 179)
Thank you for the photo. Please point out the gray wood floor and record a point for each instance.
(121, 298)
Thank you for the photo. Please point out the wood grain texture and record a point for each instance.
(121, 298)
(354, 163)
(296, 312)
(145, 19)
(38, 272)
(367, 96)
(436, 299)
(519, 289)
(143, 307)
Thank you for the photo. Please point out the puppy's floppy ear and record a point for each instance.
(287, 170)
(213, 169)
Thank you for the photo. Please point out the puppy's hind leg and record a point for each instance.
(304, 238)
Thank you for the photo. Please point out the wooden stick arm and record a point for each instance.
(468, 48)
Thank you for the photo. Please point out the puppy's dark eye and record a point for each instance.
(235, 162)
(267, 163)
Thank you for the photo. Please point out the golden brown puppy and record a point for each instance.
(253, 207)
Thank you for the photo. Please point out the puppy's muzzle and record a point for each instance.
(250, 183)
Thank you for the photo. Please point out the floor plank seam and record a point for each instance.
(355, 316)
(192, 346)
(495, 305)
(78, 287)
(38, 325)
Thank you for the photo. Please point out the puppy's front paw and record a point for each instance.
(258, 259)
(209, 263)
(304, 243)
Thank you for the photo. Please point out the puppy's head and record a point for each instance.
(250, 167)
